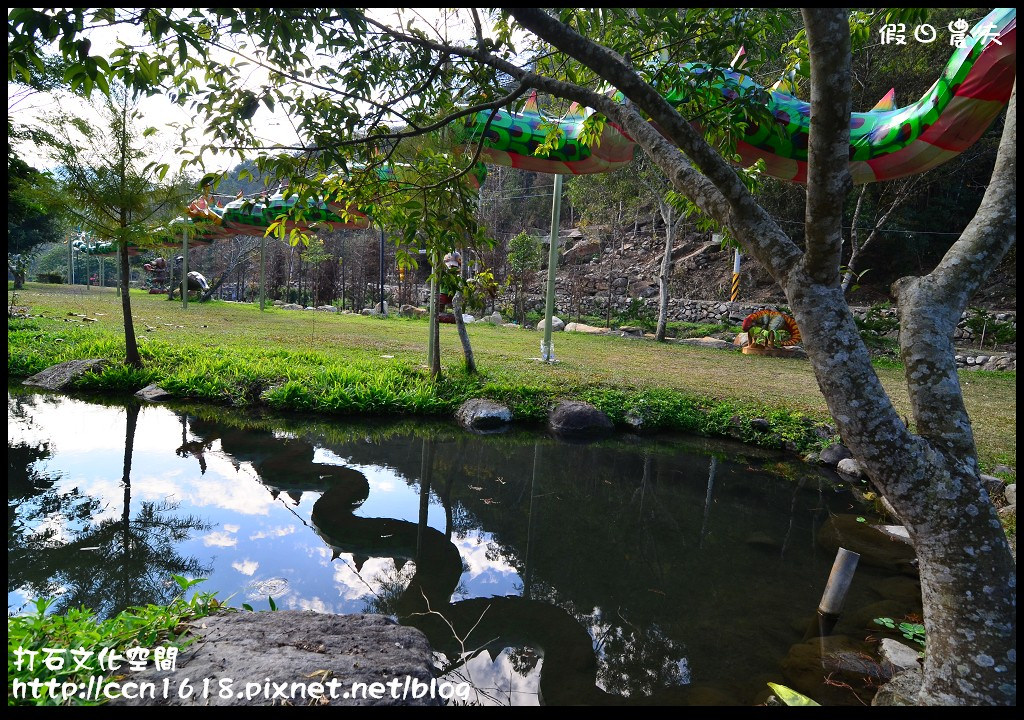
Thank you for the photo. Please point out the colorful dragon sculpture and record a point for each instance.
(885, 142)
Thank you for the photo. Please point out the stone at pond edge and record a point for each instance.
(153, 393)
(483, 415)
(899, 656)
(60, 376)
(875, 548)
(577, 419)
(902, 690)
(760, 425)
(291, 646)
(1010, 494)
(849, 466)
(807, 665)
(834, 454)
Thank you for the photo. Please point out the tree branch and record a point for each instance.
(930, 306)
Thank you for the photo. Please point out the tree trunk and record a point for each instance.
(467, 349)
(666, 263)
(131, 346)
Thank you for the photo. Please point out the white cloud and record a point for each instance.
(219, 539)
(246, 567)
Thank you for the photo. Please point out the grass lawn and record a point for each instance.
(211, 349)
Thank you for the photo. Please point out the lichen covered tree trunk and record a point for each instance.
(460, 325)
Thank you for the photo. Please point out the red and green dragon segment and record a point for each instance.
(885, 142)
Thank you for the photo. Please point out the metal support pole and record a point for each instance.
(383, 309)
(735, 277)
(263, 270)
(184, 269)
(835, 590)
(433, 308)
(547, 351)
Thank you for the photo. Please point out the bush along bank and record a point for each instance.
(308, 381)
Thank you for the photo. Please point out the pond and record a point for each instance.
(665, 569)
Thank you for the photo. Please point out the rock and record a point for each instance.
(1010, 494)
(849, 466)
(993, 485)
(291, 306)
(834, 454)
(368, 312)
(556, 324)
(741, 339)
(583, 328)
(582, 251)
(494, 318)
(708, 342)
(153, 393)
(327, 308)
(875, 548)
(483, 416)
(572, 418)
(377, 309)
(631, 331)
(900, 657)
(291, 646)
(412, 311)
(512, 325)
(634, 421)
(62, 375)
(1002, 469)
(902, 690)
(760, 425)
(807, 665)
(467, 319)
(896, 532)
(278, 303)
(899, 588)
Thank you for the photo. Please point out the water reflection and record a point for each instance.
(55, 547)
(541, 571)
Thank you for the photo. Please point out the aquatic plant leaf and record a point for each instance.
(790, 696)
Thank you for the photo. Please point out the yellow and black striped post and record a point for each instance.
(735, 277)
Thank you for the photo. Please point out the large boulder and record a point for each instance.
(62, 375)
(412, 311)
(250, 650)
(582, 251)
(583, 328)
(575, 419)
(494, 318)
(483, 416)
(556, 324)
(708, 342)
